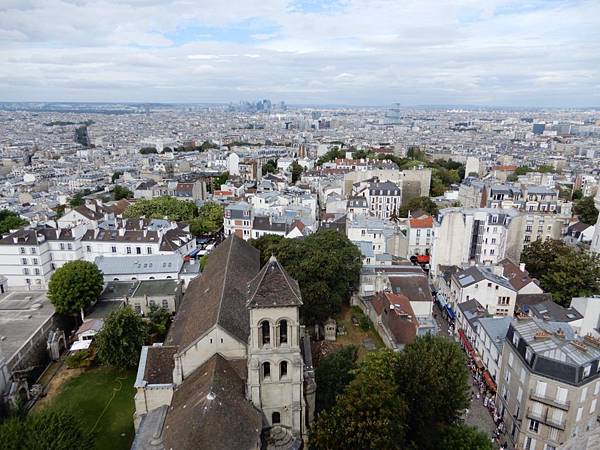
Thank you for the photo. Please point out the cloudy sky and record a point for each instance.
(354, 52)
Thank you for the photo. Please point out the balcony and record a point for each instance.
(546, 399)
(545, 418)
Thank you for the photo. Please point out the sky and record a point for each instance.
(348, 52)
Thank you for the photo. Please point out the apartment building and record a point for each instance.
(238, 220)
(30, 256)
(549, 385)
(490, 289)
(420, 235)
(595, 245)
(462, 236)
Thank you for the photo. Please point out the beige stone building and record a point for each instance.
(549, 384)
(235, 369)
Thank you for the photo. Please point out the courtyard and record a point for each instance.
(102, 398)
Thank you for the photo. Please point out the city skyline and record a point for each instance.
(505, 54)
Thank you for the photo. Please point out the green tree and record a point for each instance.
(121, 192)
(10, 221)
(47, 429)
(577, 195)
(161, 207)
(419, 203)
(217, 182)
(333, 373)
(331, 155)
(74, 286)
(148, 150)
(270, 166)
(159, 319)
(116, 175)
(296, 171)
(327, 266)
(585, 209)
(370, 414)
(121, 338)
(434, 382)
(572, 275)
(210, 219)
(539, 255)
(267, 244)
(415, 153)
(77, 200)
(464, 437)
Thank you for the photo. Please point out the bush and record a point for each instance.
(81, 358)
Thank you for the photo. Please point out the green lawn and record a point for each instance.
(103, 399)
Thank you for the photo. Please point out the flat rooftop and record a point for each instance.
(21, 314)
(153, 288)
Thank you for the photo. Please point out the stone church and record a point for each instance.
(235, 370)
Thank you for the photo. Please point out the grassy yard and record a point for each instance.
(356, 335)
(103, 399)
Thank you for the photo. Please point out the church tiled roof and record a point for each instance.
(218, 295)
(209, 411)
(273, 287)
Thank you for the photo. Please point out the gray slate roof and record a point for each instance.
(273, 287)
(218, 296)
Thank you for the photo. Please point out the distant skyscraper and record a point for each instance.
(538, 128)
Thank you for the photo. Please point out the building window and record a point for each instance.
(165, 303)
(62, 246)
(528, 355)
(113, 249)
(275, 418)
(33, 251)
(149, 250)
(25, 271)
(265, 329)
(138, 250)
(35, 261)
(587, 370)
(37, 271)
(69, 246)
(129, 250)
(88, 248)
(138, 308)
(283, 369)
(24, 261)
(266, 370)
(283, 330)
(22, 249)
(534, 425)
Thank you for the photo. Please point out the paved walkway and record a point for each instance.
(478, 415)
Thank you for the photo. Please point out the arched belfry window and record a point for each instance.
(265, 333)
(283, 369)
(275, 418)
(266, 370)
(283, 332)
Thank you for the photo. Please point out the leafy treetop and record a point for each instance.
(74, 286)
(161, 207)
(10, 221)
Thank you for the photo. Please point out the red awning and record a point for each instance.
(488, 380)
(478, 362)
(423, 259)
(466, 342)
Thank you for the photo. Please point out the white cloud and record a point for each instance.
(463, 51)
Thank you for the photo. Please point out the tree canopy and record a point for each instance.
(209, 220)
(47, 429)
(161, 207)
(74, 286)
(585, 209)
(464, 437)
(419, 203)
(270, 166)
(331, 155)
(370, 414)
(296, 170)
(562, 271)
(10, 221)
(116, 175)
(326, 265)
(120, 192)
(412, 399)
(333, 373)
(217, 182)
(121, 338)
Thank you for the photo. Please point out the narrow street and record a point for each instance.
(478, 415)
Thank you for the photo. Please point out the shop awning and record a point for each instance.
(488, 381)
(478, 362)
(423, 259)
(450, 312)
